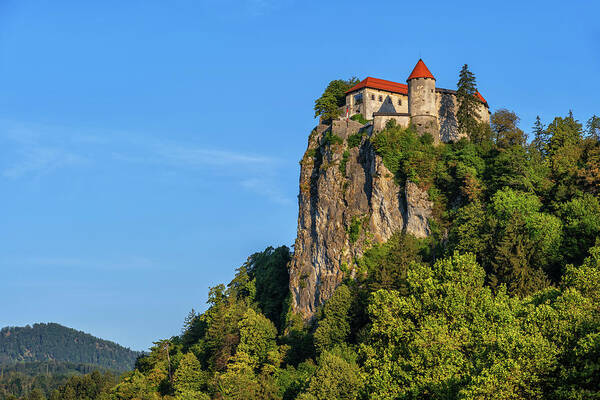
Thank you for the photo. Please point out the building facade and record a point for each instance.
(419, 102)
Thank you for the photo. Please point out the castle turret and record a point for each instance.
(421, 100)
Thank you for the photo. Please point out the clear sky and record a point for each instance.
(148, 147)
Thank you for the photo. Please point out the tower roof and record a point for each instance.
(420, 71)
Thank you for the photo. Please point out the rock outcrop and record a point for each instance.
(348, 201)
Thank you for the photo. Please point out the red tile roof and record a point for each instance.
(480, 97)
(380, 84)
(420, 71)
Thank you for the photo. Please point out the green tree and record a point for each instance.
(257, 338)
(334, 327)
(239, 381)
(565, 152)
(581, 218)
(335, 378)
(592, 127)
(540, 136)
(134, 386)
(328, 105)
(507, 133)
(451, 337)
(189, 376)
(269, 270)
(467, 102)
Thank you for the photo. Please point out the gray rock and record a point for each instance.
(365, 200)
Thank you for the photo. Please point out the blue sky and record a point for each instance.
(148, 147)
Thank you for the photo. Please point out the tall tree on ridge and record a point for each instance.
(328, 105)
(592, 127)
(540, 136)
(467, 108)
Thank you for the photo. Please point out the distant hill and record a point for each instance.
(54, 342)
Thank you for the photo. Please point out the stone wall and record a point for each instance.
(371, 102)
(447, 106)
(379, 121)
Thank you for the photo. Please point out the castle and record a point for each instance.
(419, 102)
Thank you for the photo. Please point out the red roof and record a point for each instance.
(480, 97)
(380, 84)
(420, 71)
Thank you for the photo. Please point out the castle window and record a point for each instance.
(380, 98)
(431, 90)
(399, 102)
(358, 99)
(372, 97)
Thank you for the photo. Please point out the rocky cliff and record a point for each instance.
(348, 201)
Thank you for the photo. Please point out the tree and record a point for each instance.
(592, 127)
(581, 218)
(451, 337)
(335, 378)
(189, 376)
(334, 327)
(239, 381)
(540, 136)
(269, 269)
(328, 105)
(257, 338)
(504, 125)
(565, 152)
(467, 102)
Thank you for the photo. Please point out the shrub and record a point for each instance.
(344, 161)
(331, 139)
(359, 118)
(355, 139)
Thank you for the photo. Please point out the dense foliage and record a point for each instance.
(43, 342)
(328, 106)
(37, 378)
(501, 302)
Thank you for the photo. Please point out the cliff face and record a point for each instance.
(348, 201)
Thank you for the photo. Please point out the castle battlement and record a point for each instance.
(418, 102)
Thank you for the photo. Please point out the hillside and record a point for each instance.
(422, 270)
(54, 342)
(460, 270)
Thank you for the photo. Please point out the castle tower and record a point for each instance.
(421, 100)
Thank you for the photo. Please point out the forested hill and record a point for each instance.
(499, 300)
(44, 342)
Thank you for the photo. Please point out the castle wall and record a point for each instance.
(447, 106)
(371, 102)
(379, 121)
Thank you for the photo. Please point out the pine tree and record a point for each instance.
(592, 127)
(467, 109)
(541, 139)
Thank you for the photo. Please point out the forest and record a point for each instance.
(36, 360)
(500, 302)
(54, 342)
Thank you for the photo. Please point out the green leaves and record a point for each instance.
(467, 102)
(328, 105)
